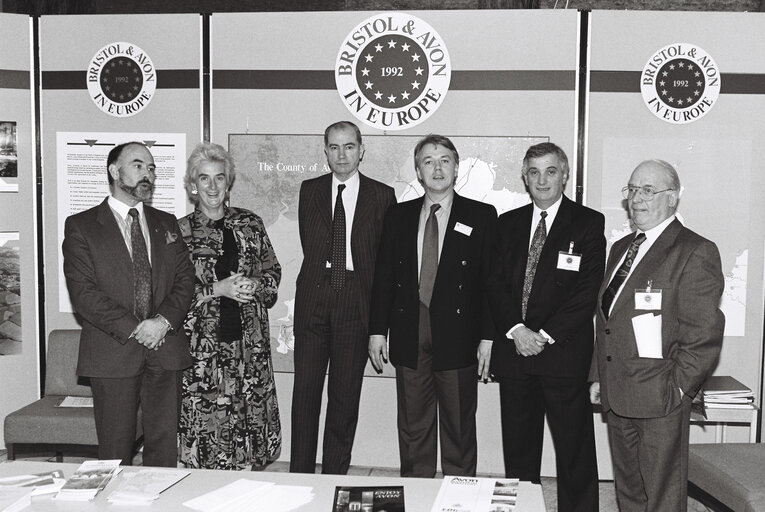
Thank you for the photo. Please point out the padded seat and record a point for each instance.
(731, 473)
(42, 426)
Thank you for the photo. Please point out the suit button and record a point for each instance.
(608, 358)
(464, 263)
(400, 310)
(608, 331)
(459, 287)
(458, 311)
(398, 285)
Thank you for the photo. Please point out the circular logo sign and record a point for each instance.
(680, 83)
(393, 71)
(121, 79)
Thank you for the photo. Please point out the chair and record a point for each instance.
(732, 474)
(42, 426)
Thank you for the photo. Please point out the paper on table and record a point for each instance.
(77, 401)
(647, 330)
(225, 497)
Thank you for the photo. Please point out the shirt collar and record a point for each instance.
(122, 209)
(446, 202)
(351, 184)
(656, 231)
(552, 210)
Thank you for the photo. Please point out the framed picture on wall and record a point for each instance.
(9, 169)
(10, 294)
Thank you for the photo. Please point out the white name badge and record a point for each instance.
(648, 299)
(569, 261)
(462, 228)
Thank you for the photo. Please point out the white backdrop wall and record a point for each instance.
(513, 74)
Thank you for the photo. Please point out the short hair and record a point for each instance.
(114, 155)
(669, 171)
(438, 140)
(543, 149)
(208, 152)
(342, 124)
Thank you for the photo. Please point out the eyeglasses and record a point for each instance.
(646, 191)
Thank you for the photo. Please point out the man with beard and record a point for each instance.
(131, 281)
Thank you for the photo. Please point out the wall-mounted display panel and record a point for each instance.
(689, 88)
(130, 75)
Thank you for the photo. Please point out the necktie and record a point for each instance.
(429, 264)
(537, 242)
(337, 273)
(621, 274)
(142, 303)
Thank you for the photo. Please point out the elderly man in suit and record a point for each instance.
(659, 334)
(131, 281)
(429, 297)
(340, 218)
(549, 263)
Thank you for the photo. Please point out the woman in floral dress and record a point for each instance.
(229, 413)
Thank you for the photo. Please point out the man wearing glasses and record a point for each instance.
(659, 333)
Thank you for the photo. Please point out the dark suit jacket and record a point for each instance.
(315, 224)
(99, 275)
(686, 267)
(459, 315)
(561, 302)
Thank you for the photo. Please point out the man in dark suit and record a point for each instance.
(131, 281)
(429, 294)
(549, 265)
(659, 334)
(340, 217)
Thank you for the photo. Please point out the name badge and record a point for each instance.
(648, 299)
(462, 228)
(569, 260)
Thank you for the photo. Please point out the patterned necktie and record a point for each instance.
(429, 264)
(621, 274)
(142, 304)
(337, 273)
(537, 242)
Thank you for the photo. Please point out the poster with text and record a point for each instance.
(83, 183)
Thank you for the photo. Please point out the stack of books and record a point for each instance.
(88, 480)
(723, 391)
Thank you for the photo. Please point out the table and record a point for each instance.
(723, 416)
(419, 493)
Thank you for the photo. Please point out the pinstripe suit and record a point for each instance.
(332, 326)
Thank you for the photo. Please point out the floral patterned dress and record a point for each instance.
(229, 412)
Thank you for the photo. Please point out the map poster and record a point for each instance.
(10, 294)
(83, 183)
(719, 213)
(270, 169)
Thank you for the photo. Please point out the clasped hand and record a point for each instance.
(237, 287)
(527, 342)
(151, 333)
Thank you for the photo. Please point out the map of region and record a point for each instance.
(706, 206)
(270, 169)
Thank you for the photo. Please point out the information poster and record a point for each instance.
(83, 183)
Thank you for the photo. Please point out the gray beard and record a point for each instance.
(138, 192)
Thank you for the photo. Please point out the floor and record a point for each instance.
(607, 497)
